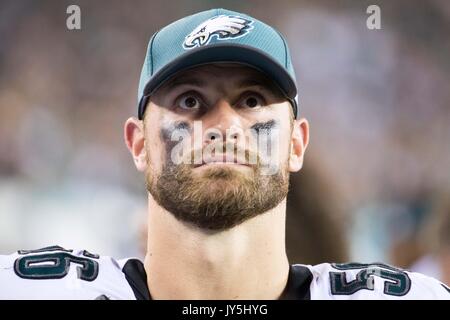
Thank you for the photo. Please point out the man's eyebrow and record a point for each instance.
(201, 83)
(194, 81)
(265, 83)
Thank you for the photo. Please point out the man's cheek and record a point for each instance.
(154, 158)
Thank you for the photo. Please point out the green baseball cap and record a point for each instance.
(216, 35)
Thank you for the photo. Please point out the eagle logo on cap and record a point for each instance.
(223, 27)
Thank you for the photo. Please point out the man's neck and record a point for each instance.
(246, 262)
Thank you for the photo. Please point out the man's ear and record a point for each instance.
(134, 136)
(299, 143)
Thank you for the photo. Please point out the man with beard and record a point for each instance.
(217, 134)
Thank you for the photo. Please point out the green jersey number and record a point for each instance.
(397, 281)
(55, 265)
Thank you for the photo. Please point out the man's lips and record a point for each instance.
(222, 159)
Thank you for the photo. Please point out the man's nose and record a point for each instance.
(222, 122)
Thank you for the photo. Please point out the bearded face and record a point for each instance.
(222, 178)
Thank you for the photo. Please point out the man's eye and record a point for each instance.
(189, 102)
(252, 101)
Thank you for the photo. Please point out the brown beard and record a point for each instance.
(219, 199)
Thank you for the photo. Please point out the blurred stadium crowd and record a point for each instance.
(376, 181)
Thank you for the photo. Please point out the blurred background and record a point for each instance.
(376, 180)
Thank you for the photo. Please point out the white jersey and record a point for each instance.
(57, 273)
